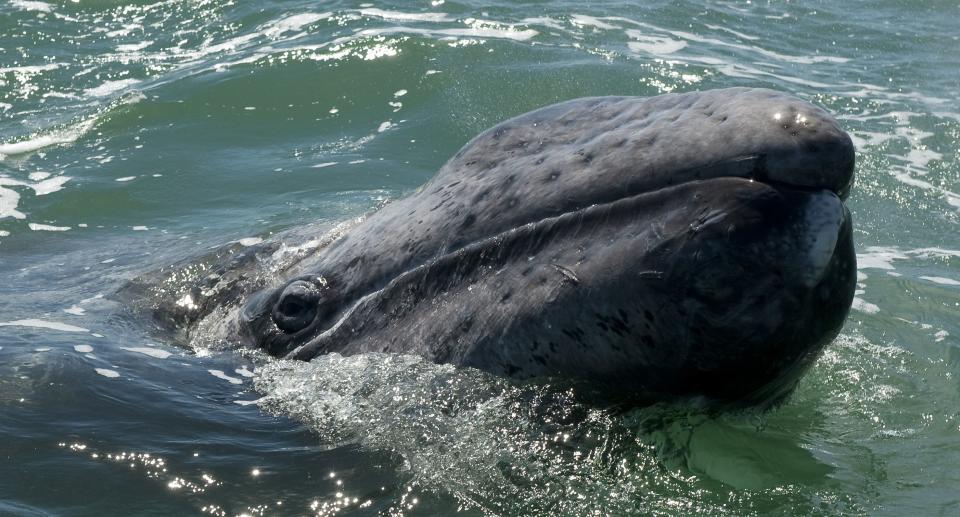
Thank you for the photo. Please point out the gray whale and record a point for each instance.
(682, 246)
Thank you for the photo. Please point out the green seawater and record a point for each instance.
(135, 134)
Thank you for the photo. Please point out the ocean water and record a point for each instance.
(135, 134)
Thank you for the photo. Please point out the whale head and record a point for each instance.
(691, 245)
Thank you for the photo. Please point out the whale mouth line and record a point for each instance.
(755, 166)
(313, 346)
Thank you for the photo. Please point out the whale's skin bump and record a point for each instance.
(683, 246)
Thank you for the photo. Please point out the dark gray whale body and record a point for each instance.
(691, 245)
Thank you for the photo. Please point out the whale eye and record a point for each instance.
(297, 306)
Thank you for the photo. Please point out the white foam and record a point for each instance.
(38, 176)
(934, 253)
(921, 158)
(134, 47)
(739, 69)
(43, 324)
(293, 23)
(49, 186)
(9, 199)
(220, 375)
(64, 136)
(731, 31)
(110, 87)
(378, 51)
(30, 69)
(37, 227)
(243, 371)
(107, 372)
(399, 93)
(940, 280)
(126, 178)
(876, 257)
(906, 178)
(152, 352)
(42, 349)
(83, 349)
(589, 21)
(27, 146)
(60, 95)
(801, 60)
(405, 17)
(865, 139)
(941, 335)
(322, 165)
(30, 5)
(655, 45)
(545, 21)
(384, 126)
(917, 160)
(139, 228)
(880, 257)
(76, 310)
(510, 33)
(863, 306)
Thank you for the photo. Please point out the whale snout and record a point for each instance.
(805, 148)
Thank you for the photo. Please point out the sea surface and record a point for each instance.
(135, 134)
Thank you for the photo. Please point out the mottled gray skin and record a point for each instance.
(691, 245)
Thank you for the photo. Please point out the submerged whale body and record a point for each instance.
(682, 246)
